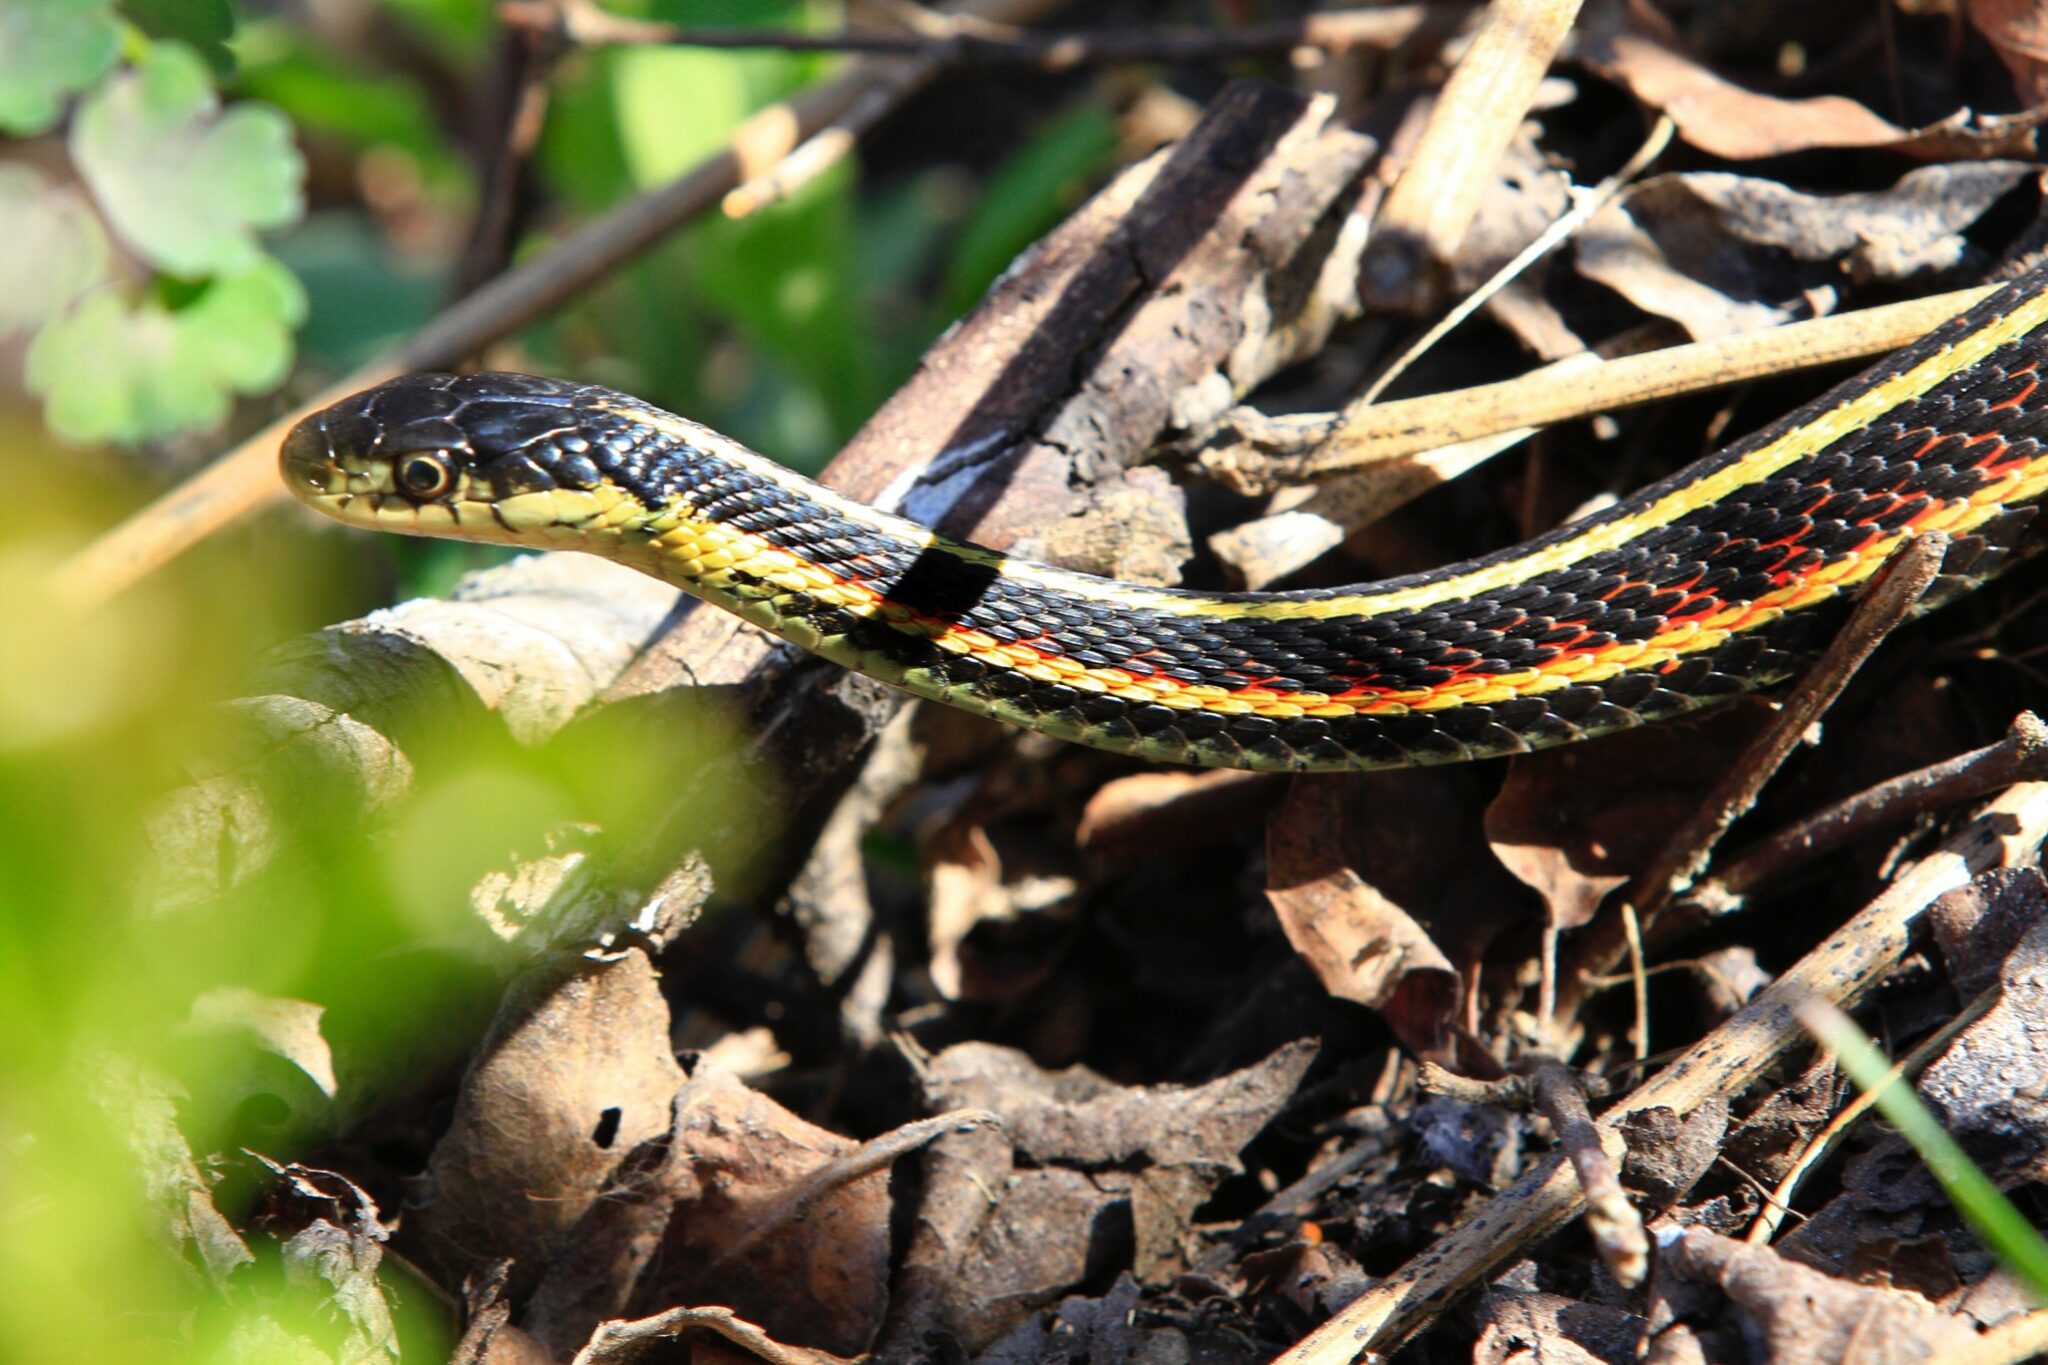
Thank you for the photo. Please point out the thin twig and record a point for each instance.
(516, 109)
(1513, 1091)
(1289, 1201)
(2021, 756)
(1778, 1203)
(1888, 600)
(617, 1342)
(876, 1154)
(1517, 1091)
(1616, 1227)
(1553, 1089)
(823, 149)
(961, 44)
(1639, 977)
(245, 478)
(2006, 832)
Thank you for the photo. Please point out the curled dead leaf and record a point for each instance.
(1086, 1177)
(1370, 877)
(576, 1073)
(1722, 254)
(1575, 823)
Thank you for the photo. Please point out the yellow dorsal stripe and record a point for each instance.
(1857, 411)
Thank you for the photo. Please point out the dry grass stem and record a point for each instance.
(1430, 208)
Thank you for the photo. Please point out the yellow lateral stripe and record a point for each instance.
(1858, 411)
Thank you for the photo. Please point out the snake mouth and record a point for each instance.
(321, 469)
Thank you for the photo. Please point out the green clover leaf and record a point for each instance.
(184, 183)
(55, 249)
(49, 49)
(109, 371)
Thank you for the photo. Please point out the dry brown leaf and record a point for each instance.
(329, 1231)
(1085, 1177)
(964, 886)
(1767, 1143)
(1087, 1329)
(1667, 1155)
(1990, 1088)
(1371, 877)
(848, 947)
(989, 918)
(1306, 1275)
(1794, 1315)
(758, 1224)
(995, 1241)
(1577, 822)
(742, 1206)
(1525, 196)
(142, 1104)
(270, 1066)
(1520, 1327)
(576, 1073)
(1720, 117)
(1169, 812)
(1979, 924)
(488, 1336)
(2018, 31)
(1364, 947)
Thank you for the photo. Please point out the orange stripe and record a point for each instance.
(1702, 622)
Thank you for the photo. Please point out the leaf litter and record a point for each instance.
(1136, 1077)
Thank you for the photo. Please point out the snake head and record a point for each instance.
(510, 458)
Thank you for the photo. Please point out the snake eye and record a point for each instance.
(426, 475)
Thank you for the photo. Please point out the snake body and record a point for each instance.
(1718, 580)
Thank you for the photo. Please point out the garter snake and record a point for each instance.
(1720, 579)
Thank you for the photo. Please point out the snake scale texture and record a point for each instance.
(1718, 580)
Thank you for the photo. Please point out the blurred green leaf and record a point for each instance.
(184, 183)
(111, 371)
(676, 105)
(457, 27)
(202, 25)
(1030, 192)
(784, 276)
(55, 249)
(50, 49)
(320, 92)
(360, 297)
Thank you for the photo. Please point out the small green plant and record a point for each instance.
(148, 298)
